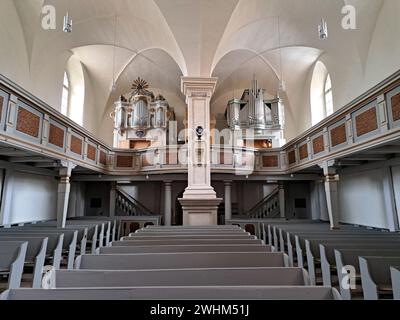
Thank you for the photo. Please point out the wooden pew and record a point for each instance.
(327, 254)
(12, 259)
(92, 233)
(178, 293)
(313, 249)
(181, 260)
(35, 254)
(54, 244)
(189, 237)
(183, 233)
(351, 257)
(375, 275)
(183, 248)
(290, 237)
(98, 220)
(395, 275)
(300, 241)
(69, 243)
(135, 242)
(83, 233)
(176, 277)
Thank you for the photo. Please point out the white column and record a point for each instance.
(228, 200)
(199, 202)
(6, 201)
(331, 190)
(113, 196)
(282, 207)
(64, 188)
(167, 203)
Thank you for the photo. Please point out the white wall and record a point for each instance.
(34, 198)
(361, 198)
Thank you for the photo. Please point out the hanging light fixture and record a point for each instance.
(67, 25)
(323, 29)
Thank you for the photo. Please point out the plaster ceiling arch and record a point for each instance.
(29, 17)
(155, 65)
(252, 21)
(140, 25)
(235, 70)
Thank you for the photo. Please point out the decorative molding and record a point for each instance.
(28, 122)
(292, 156)
(303, 151)
(76, 145)
(366, 122)
(56, 136)
(338, 135)
(91, 152)
(124, 161)
(396, 107)
(318, 144)
(270, 161)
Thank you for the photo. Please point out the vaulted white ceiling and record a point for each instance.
(161, 40)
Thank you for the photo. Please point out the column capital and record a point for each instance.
(168, 182)
(198, 87)
(228, 182)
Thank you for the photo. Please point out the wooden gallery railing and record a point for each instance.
(369, 121)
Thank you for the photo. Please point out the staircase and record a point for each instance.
(267, 208)
(125, 205)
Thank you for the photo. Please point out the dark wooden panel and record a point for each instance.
(103, 158)
(28, 122)
(366, 122)
(396, 107)
(76, 145)
(91, 152)
(292, 157)
(270, 161)
(318, 144)
(1, 106)
(303, 152)
(56, 136)
(338, 135)
(124, 161)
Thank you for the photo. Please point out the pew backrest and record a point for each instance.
(180, 260)
(375, 273)
(178, 293)
(12, 259)
(395, 275)
(175, 277)
(135, 242)
(183, 248)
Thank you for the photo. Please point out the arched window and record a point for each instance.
(328, 96)
(321, 94)
(73, 95)
(65, 95)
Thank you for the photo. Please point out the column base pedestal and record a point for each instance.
(200, 212)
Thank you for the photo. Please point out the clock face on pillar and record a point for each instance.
(199, 132)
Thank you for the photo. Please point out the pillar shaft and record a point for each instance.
(167, 203)
(113, 197)
(199, 201)
(64, 188)
(228, 200)
(331, 191)
(281, 195)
